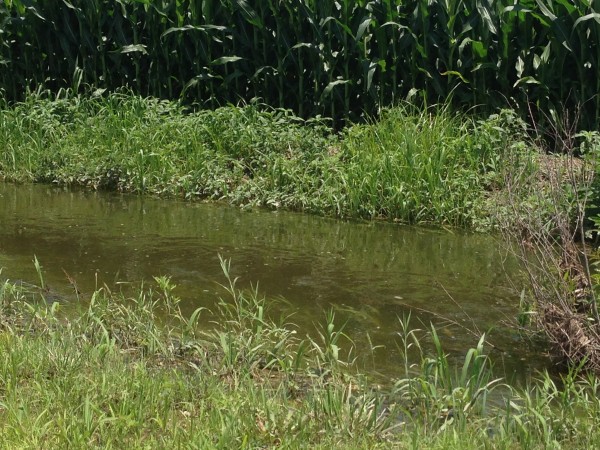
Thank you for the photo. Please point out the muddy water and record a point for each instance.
(369, 273)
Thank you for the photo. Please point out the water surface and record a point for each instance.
(370, 273)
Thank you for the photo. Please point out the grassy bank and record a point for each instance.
(411, 166)
(134, 372)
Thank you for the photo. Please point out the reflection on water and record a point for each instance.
(371, 273)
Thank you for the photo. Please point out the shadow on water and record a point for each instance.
(369, 273)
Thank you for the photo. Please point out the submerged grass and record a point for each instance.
(411, 165)
(135, 372)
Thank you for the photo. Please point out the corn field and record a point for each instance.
(343, 59)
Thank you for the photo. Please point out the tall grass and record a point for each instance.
(412, 165)
(339, 59)
(135, 372)
(440, 394)
(417, 166)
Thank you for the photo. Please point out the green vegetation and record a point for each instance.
(137, 372)
(558, 254)
(411, 166)
(81, 105)
(337, 59)
(134, 372)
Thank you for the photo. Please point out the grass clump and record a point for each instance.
(411, 165)
(427, 166)
(135, 372)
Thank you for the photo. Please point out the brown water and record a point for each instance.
(370, 273)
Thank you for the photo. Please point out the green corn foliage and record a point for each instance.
(341, 59)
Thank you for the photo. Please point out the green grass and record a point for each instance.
(410, 166)
(134, 372)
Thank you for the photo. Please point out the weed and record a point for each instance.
(113, 376)
(412, 165)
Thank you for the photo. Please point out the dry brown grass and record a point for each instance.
(555, 256)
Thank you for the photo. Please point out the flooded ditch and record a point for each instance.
(369, 273)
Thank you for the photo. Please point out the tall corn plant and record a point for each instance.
(343, 58)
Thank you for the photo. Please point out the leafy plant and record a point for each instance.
(342, 60)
